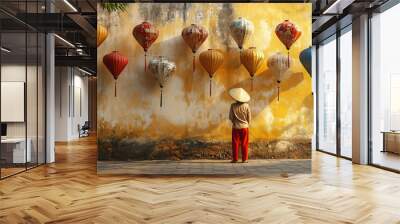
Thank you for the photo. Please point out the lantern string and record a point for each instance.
(194, 62)
(115, 88)
(278, 92)
(210, 85)
(252, 83)
(145, 61)
(279, 82)
(161, 92)
(240, 55)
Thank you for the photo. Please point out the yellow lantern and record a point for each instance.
(102, 34)
(252, 60)
(211, 60)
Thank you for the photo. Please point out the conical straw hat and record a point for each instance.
(239, 94)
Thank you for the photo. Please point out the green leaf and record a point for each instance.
(114, 7)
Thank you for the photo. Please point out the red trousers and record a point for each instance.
(240, 137)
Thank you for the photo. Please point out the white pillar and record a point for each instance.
(360, 90)
(50, 99)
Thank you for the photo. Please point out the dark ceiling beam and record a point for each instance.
(16, 18)
(91, 5)
(49, 22)
(86, 27)
(78, 61)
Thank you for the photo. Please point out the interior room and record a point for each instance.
(123, 111)
(22, 99)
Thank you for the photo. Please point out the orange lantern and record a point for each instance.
(252, 60)
(211, 60)
(102, 34)
(194, 36)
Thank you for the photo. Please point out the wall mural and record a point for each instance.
(170, 108)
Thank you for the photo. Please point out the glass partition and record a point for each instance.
(14, 143)
(22, 88)
(327, 96)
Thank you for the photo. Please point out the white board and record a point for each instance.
(12, 101)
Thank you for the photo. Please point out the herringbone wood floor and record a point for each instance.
(71, 192)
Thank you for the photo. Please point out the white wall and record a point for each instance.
(71, 94)
(34, 125)
(16, 73)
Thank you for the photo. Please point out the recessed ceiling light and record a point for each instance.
(70, 5)
(337, 7)
(64, 40)
(84, 71)
(5, 50)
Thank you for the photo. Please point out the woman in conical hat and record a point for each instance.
(240, 116)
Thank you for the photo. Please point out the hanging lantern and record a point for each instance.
(241, 30)
(252, 59)
(194, 36)
(279, 64)
(145, 34)
(115, 63)
(305, 59)
(162, 69)
(287, 34)
(102, 34)
(211, 60)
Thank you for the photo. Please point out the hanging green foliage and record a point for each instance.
(114, 7)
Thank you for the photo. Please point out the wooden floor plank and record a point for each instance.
(70, 191)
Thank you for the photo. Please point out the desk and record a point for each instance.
(13, 150)
(391, 141)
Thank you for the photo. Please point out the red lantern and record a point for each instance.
(145, 34)
(115, 63)
(194, 36)
(287, 33)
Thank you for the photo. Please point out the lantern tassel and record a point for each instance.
(210, 85)
(252, 83)
(288, 59)
(194, 62)
(115, 88)
(145, 61)
(161, 97)
(278, 88)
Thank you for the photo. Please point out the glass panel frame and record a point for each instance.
(26, 58)
(337, 110)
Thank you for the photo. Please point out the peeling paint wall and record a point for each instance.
(189, 112)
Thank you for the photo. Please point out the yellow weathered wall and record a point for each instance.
(188, 111)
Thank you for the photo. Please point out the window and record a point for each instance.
(327, 96)
(346, 92)
(385, 89)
